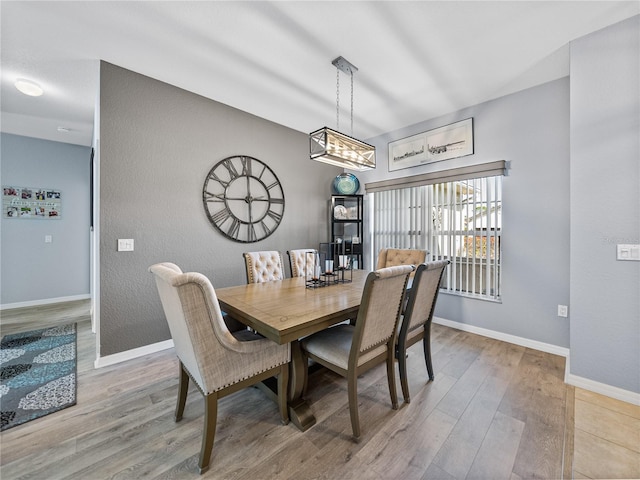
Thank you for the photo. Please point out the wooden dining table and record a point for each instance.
(287, 310)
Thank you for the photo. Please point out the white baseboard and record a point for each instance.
(131, 354)
(505, 337)
(46, 301)
(576, 381)
(603, 389)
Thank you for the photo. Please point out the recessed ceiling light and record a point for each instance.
(28, 87)
(64, 129)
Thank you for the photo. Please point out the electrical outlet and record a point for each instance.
(48, 239)
(563, 311)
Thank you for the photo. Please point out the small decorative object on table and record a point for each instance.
(338, 267)
(345, 269)
(312, 271)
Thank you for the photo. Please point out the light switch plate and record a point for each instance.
(125, 244)
(628, 252)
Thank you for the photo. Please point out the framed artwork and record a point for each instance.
(451, 141)
(31, 203)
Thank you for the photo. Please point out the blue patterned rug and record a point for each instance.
(38, 374)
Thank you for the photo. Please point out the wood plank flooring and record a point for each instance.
(494, 411)
(607, 437)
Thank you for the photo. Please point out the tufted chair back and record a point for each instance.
(391, 257)
(298, 259)
(264, 266)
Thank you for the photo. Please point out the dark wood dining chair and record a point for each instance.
(219, 362)
(350, 350)
(417, 317)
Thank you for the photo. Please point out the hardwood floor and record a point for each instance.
(607, 437)
(495, 410)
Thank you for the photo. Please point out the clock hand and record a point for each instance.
(247, 199)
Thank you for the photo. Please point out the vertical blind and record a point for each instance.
(458, 220)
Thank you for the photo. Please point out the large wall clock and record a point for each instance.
(243, 199)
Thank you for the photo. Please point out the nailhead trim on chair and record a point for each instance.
(245, 377)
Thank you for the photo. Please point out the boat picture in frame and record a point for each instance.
(450, 141)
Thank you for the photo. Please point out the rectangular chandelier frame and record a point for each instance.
(335, 148)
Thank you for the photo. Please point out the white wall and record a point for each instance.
(605, 205)
(34, 271)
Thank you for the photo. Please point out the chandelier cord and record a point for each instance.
(337, 99)
(352, 103)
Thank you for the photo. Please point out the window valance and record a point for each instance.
(488, 169)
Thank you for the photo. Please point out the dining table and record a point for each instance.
(286, 311)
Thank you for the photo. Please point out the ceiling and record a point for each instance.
(416, 60)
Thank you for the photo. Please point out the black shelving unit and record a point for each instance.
(346, 220)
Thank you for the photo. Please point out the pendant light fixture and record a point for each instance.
(335, 148)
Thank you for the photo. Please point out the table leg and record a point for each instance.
(299, 410)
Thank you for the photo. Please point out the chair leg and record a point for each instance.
(391, 377)
(283, 392)
(352, 381)
(401, 355)
(208, 435)
(426, 343)
(183, 388)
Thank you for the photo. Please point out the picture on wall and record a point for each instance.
(31, 203)
(451, 141)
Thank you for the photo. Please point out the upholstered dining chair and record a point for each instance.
(264, 266)
(389, 257)
(218, 361)
(301, 260)
(350, 350)
(417, 317)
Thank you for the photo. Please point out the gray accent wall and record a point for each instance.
(530, 129)
(605, 205)
(157, 144)
(34, 271)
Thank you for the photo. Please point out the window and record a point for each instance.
(459, 220)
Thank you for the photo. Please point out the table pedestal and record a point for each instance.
(299, 410)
